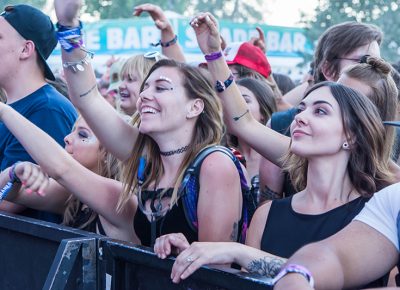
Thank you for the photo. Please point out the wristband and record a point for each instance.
(166, 44)
(213, 56)
(61, 27)
(293, 268)
(222, 86)
(11, 173)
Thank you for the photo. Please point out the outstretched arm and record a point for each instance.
(353, 257)
(240, 122)
(99, 193)
(174, 50)
(105, 122)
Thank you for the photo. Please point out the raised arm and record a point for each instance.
(353, 257)
(240, 122)
(99, 193)
(113, 132)
(169, 42)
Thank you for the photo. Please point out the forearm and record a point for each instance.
(40, 146)
(173, 51)
(257, 261)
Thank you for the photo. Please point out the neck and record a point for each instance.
(175, 151)
(23, 81)
(328, 180)
(252, 158)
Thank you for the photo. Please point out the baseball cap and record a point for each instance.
(248, 55)
(32, 24)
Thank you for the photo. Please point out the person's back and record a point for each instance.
(31, 39)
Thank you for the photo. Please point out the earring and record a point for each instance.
(345, 146)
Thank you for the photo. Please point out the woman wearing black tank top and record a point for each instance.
(336, 159)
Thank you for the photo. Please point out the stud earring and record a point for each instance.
(345, 146)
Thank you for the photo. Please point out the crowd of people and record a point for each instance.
(225, 162)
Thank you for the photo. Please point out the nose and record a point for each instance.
(145, 94)
(67, 139)
(301, 118)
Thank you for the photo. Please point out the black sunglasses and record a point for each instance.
(362, 59)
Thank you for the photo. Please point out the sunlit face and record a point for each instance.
(251, 102)
(129, 92)
(163, 104)
(83, 145)
(317, 129)
(371, 49)
(11, 45)
(355, 84)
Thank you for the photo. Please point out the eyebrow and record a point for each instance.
(163, 78)
(317, 103)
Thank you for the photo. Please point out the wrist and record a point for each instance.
(300, 271)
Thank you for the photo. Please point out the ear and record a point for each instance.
(195, 109)
(28, 49)
(327, 74)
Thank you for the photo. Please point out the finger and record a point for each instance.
(211, 22)
(32, 177)
(193, 267)
(35, 186)
(167, 245)
(27, 172)
(261, 34)
(43, 186)
(180, 265)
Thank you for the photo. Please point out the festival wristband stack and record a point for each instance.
(293, 268)
(13, 179)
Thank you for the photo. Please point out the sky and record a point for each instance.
(286, 12)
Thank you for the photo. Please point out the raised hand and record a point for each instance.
(260, 40)
(67, 11)
(170, 244)
(207, 32)
(32, 177)
(156, 13)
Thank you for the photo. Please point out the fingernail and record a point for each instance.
(40, 192)
(29, 190)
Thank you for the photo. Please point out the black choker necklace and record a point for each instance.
(177, 151)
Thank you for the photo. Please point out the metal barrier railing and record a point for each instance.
(41, 255)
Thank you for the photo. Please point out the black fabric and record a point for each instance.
(83, 216)
(280, 122)
(174, 221)
(286, 231)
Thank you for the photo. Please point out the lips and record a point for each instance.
(299, 133)
(148, 110)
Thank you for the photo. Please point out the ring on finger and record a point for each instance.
(189, 259)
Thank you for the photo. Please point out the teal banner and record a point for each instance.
(127, 36)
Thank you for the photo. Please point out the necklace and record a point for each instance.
(173, 152)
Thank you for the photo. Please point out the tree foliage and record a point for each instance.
(382, 13)
(36, 3)
(236, 10)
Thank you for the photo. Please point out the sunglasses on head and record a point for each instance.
(153, 55)
(362, 59)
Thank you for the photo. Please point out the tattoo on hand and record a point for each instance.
(89, 91)
(234, 233)
(266, 266)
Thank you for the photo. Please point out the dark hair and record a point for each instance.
(264, 95)
(377, 75)
(368, 169)
(338, 41)
(284, 82)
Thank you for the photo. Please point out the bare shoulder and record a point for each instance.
(218, 164)
(257, 226)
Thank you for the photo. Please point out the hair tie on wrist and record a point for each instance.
(165, 44)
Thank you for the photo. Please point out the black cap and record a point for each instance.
(32, 24)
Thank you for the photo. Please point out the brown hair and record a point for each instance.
(376, 74)
(208, 131)
(338, 41)
(368, 169)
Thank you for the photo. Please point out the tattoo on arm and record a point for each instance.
(234, 234)
(266, 266)
(89, 91)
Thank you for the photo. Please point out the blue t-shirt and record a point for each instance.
(48, 110)
(51, 112)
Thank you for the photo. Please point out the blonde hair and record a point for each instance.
(208, 131)
(368, 167)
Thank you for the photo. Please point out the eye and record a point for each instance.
(299, 110)
(162, 89)
(320, 111)
(82, 134)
